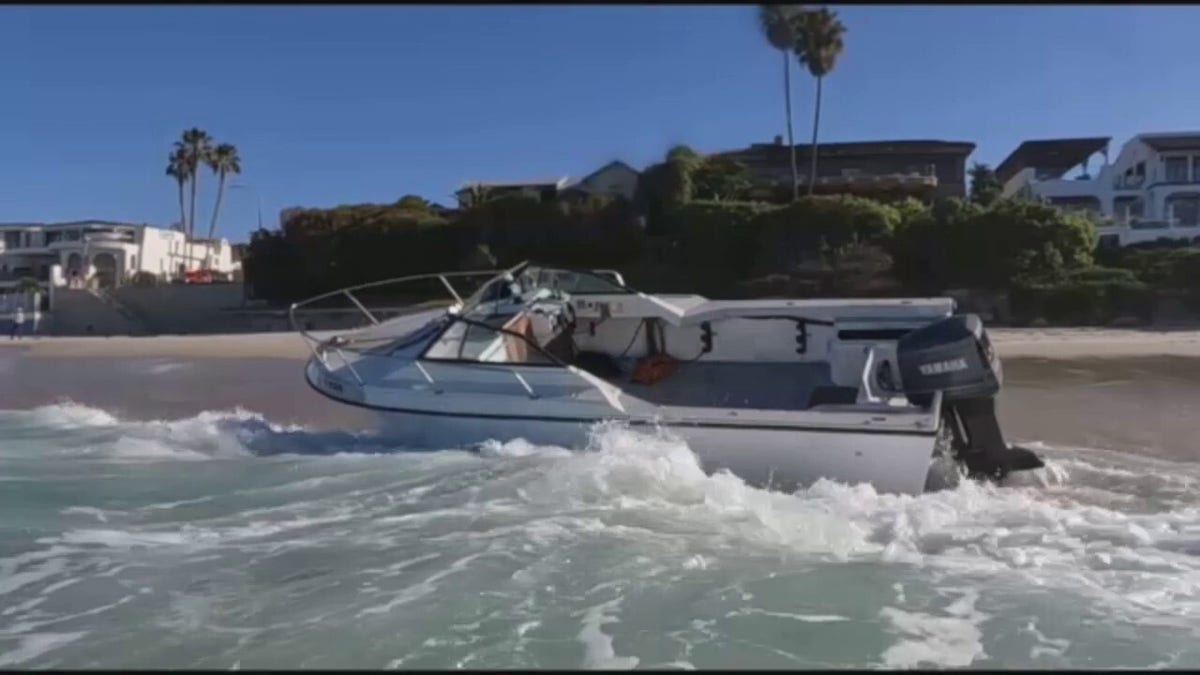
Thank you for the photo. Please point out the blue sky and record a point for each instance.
(332, 105)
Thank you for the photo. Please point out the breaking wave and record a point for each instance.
(262, 541)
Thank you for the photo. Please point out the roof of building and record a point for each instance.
(613, 164)
(576, 183)
(537, 182)
(1050, 154)
(77, 223)
(1179, 140)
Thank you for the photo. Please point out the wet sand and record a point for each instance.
(1077, 387)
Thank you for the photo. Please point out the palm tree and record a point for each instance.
(818, 45)
(223, 160)
(196, 146)
(177, 168)
(778, 24)
(985, 187)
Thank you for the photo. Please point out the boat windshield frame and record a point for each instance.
(515, 273)
(512, 276)
(455, 311)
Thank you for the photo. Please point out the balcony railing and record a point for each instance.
(1170, 224)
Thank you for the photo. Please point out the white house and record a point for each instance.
(1151, 190)
(544, 189)
(112, 252)
(615, 179)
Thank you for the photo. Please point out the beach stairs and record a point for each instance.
(91, 312)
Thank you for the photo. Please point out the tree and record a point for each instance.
(985, 187)
(177, 168)
(778, 24)
(223, 160)
(414, 203)
(681, 163)
(721, 178)
(28, 286)
(195, 145)
(818, 45)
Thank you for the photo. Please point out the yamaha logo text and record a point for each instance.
(941, 367)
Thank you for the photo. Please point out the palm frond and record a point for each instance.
(777, 23)
(819, 40)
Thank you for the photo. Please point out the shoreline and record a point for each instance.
(1048, 343)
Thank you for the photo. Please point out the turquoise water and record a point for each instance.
(225, 541)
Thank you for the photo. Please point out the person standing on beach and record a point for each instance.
(17, 323)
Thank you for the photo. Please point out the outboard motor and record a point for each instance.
(955, 357)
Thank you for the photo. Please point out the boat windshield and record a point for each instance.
(525, 282)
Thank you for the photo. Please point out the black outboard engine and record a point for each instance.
(955, 357)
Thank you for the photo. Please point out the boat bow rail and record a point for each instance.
(339, 343)
(362, 339)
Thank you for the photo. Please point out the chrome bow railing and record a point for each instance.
(318, 346)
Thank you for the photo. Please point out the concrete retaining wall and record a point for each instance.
(82, 312)
(181, 308)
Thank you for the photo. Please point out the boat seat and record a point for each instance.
(517, 350)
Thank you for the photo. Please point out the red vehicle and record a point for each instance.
(198, 277)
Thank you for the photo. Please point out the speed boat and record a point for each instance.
(897, 393)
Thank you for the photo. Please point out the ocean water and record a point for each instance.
(223, 540)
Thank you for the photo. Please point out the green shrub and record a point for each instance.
(959, 244)
(1175, 267)
(1102, 275)
(1028, 240)
(820, 227)
(931, 248)
(1083, 302)
(717, 242)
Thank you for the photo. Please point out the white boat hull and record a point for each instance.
(779, 459)
(781, 393)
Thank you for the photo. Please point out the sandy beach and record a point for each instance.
(1046, 343)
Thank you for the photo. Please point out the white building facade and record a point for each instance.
(108, 252)
(1150, 191)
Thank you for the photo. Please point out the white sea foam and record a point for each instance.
(952, 641)
(598, 645)
(518, 531)
(32, 646)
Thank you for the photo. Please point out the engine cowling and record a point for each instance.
(953, 356)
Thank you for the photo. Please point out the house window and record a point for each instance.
(1176, 169)
(73, 235)
(1184, 209)
(1129, 209)
(1196, 168)
(12, 240)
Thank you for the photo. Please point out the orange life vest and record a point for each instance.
(653, 368)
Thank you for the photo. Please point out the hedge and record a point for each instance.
(1082, 302)
(712, 247)
(959, 244)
